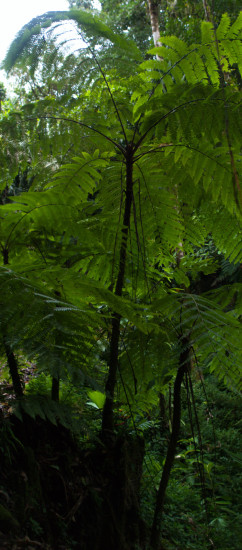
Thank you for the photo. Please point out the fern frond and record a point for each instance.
(32, 34)
(225, 230)
(196, 62)
(45, 408)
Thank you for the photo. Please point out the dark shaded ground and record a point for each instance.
(54, 494)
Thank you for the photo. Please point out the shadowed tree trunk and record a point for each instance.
(107, 418)
(55, 388)
(11, 359)
(13, 369)
(184, 365)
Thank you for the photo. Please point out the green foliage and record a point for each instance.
(27, 38)
(196, 510)
(181, 18)
(45, 408)
(78, 262)
(63, 241)
(2, 94)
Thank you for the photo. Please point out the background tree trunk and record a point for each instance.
(184, 362)
(206, 10)
(154, 20)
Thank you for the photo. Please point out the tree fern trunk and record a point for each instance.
(55, 388)
(107, 419)
(156, 526)
(13, 369)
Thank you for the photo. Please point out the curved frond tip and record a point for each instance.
(33, 32)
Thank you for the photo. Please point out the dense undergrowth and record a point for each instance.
(54, 479)
(204, 497)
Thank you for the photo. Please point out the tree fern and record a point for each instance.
(140, 166)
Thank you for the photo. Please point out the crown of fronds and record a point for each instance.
(62, 238)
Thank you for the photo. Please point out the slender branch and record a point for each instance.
(52, 117)
(24, 215)
(159, 149)
(174, 65)
(174, 110)
(163, 117)
(110, 93)
(151, 202)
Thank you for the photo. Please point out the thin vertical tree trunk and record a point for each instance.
(107, 418)
(206, 10)
(184, 363)
(55, 388)
(11, 359)
(154, 20)
(13, 369)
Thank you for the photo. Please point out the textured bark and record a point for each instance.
(156, 526)
(206, 10)
(154, 20)
(107, 419)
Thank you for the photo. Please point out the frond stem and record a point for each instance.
(163, 117)
(51, 117)
(159, 150)
(110, 92)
